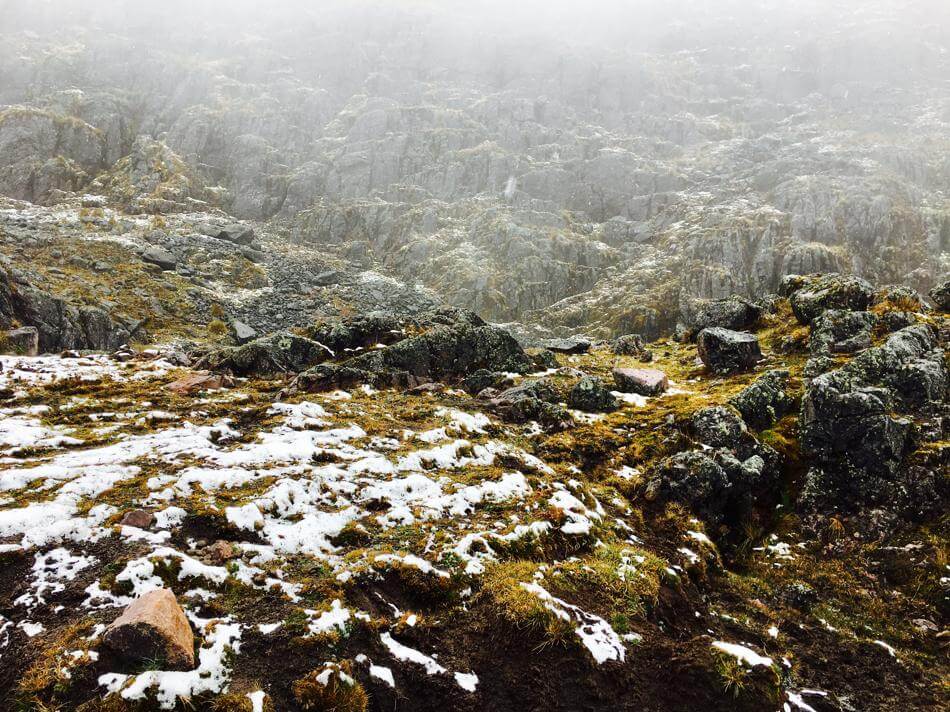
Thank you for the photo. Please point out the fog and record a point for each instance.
(730, 142)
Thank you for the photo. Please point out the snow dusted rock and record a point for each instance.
(153, 627)
(645, 381)
(283, 352)
(727, 351)
(813, 294)
(21, 342)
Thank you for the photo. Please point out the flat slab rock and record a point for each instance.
(153, 627)
(643, 381)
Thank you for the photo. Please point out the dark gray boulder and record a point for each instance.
(236, 233)
(241, 332)
(455, 345)
(61, 326)
(283, 352)
(838, 331)
(764, 401)
(734, 313)
(160, 257)
(533, 400)
(360, 332)
(941, 296)
(727, 351)
(811, 295)
(857, 422)
(569, 345)
(589, 394)
(20, 342)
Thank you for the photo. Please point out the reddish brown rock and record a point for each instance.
(153, 628)
(197, 382)
(220, 552)
(644, 381)
(137, 518)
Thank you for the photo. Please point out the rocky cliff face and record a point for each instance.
(555, 180)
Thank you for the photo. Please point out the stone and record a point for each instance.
(570, 345)
(726, 351)
(811, 295)
(197, 382)
(220, 552)
(455, 345)
(589, 394)
(857, 424)
(236, 233)
(628, 345)
(841, 331)
(940, 295)
(282, 352)
(531, 400)
(21, 342)
(160, 257)
(138, 518)
(734, 313)
(241, 332)
(645, 381)
(153, 628)
(765, 400)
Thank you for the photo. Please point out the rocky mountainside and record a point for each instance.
(416, 512)
(603, 179)
(475, 356)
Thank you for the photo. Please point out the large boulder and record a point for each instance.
(359, 332)
(589, 394)
(445, 352)
(840, 331)
(811, 295)
(20, 342)
(733, 312)
(765, 400)
(628, 345)
(857, 422)
(533, 400)
(61, 326)
(160, 257)
(569, 345)
(727, 351)
(283, 352)
(643, 381)
(153, 628)
(941, 295)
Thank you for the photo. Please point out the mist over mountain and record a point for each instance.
(474, 355)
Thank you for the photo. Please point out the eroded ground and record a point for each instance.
(432, 556)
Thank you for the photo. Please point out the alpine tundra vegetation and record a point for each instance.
(377, 355)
